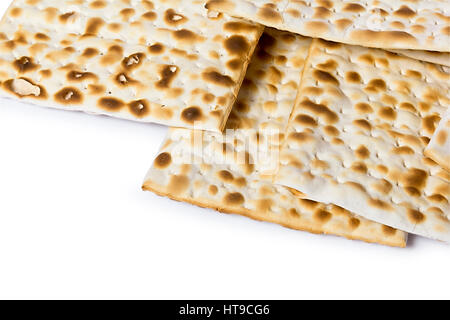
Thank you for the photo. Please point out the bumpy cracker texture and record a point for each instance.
(373, 114)
(439, 147)
(223, 175)
(170, 62)
(399, 24)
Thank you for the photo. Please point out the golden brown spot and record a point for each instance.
(316, 27)
(359, 167)
(209, 98)
(306, 121)
(234, 199)
(379, 204)
(41, 37)
(405, 12)
(69, 96)
(163, 160)
(156, 48)
(353, 77)
(416, 216)
(65, 17)
(99, 4)
(76, 76)
(174, 19)
(415, 178)
(178, 184)
(213, 190)
(323, 76)
(300, 137)
(237, 45)
(111, 104)
(31, 89)
(150, 16)
(293, 213)
(343, 24)
(139, 108)
(264, 205)
(442, 137)
(388, 231)
(90, 52)
(217, 78)
(354, 223)
(133, 61)
(430, 123)
(362, 152)
(383, 186)
(328, 65)
(319, 164)
(96, 89)
(387, 113)
(322, 216)
(15, 12)
(167, 74)
(331, 131)
(404, 150)
(438, 198)
(363, 124)
(191, 115)
(363, 108)
(412, 192)
(94, 25)
(184, 35)
(320, 110)
(127, 13)
(235, 64)
(408, 107)
(353, 7)
(321, 13)
(237, 26)
(225, 176)
(25, 64)
(376, 85)
(240, 182)
(269, 14)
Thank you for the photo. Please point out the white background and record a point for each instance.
(74, 223)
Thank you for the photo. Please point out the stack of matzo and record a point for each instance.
(229, 173)
(328, 137)
(153, 61)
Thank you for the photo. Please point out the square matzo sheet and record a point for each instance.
(396, 24)
(232, 172)
(358, 133)
(171, 62)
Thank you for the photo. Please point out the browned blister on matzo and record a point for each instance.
(358, 133)
(231, 173)
(439, 147)
(170, 62)
(399, 24)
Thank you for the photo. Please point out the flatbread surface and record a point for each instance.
(358, 133)
(232, 172)
(400, 24)
(170, 62)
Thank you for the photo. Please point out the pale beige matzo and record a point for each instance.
(170, 62)
(358, 133)
(439, 147)
(437, 57)
(399, 24)
(228, 174)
